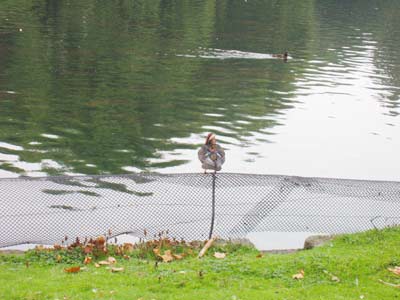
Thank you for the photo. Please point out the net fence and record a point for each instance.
(190, 206)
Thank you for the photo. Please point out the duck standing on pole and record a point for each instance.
(211, 155)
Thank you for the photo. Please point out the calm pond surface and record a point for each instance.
(97, 87)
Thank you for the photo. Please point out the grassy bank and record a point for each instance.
(349, 267)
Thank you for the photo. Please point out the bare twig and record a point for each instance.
(206, 246)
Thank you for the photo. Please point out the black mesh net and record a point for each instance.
(189, 206)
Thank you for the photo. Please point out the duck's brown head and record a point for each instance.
(285, 55)
(211, 139)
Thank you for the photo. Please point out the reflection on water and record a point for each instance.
(90, 88)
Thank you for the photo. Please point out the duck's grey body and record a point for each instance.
(211, 159)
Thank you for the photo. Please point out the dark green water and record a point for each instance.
(98, 87)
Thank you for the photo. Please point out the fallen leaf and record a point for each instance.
(97, 265)
(127, 257)
(128, 248)
(100, 240)
(111, 260)
(177, 256)
(118, 250)
(58, 258)
(115, 270)
(88, 249)
(335, 278)
(72, 269)
(103, 263)
(259, 255)
(299, 275)
(156, 251)
(167, 257)
(87, 260)
(395, 270)
(219, 255)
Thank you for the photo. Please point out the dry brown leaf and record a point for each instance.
(103, 263)
(111, 260)
(299, 275)
(73, 269)
(219, 255)
(58, 258)
(128, 248)
(156, 251)
(127, 257)
(97, 265)
(395, 270)
(167, 257)
(259, 255)
(177, 256)
(115, 270)
(87, 260)
(88, 249)
(100, 240)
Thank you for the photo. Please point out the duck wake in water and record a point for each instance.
(231, 54)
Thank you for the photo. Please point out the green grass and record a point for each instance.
(359, 261)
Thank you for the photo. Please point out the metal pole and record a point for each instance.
(213, 207)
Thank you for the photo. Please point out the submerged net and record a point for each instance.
(188, 206)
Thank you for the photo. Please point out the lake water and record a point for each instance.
(105, 87)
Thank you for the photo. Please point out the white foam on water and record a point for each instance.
(11, 146)
(131, 169)
(214, 53)
(50, 136)
(8, 157)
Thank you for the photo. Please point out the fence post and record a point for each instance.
(213, 207)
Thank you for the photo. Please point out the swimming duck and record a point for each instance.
(211, 155)
(284, 56)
